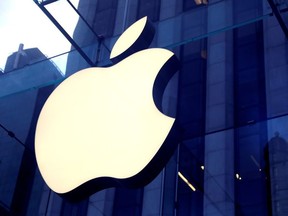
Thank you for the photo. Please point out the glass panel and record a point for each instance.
(232, 104)
(23, 22)
(276, 154)
(30, 77)
(11, 152)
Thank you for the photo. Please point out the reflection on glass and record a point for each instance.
(234, 89)
(186, 181)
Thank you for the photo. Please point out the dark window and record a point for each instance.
(149, 8)
(192, 92)
(191, 161)
(190, 4)
(104, 19)
(249, 74)
(250, 108)
(191, 106)
(128, 202)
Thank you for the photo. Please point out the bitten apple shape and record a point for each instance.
(101, 127)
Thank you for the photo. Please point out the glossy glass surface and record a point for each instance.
(232, 104)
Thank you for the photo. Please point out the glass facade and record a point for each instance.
(230, 97)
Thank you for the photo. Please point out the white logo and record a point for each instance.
(101, 128)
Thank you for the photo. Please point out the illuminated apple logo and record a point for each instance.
(103, 127)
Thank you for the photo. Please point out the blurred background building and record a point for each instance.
(230, 96)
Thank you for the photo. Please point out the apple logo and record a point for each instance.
(104, 127)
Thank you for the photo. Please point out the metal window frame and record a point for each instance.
(43, 3)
